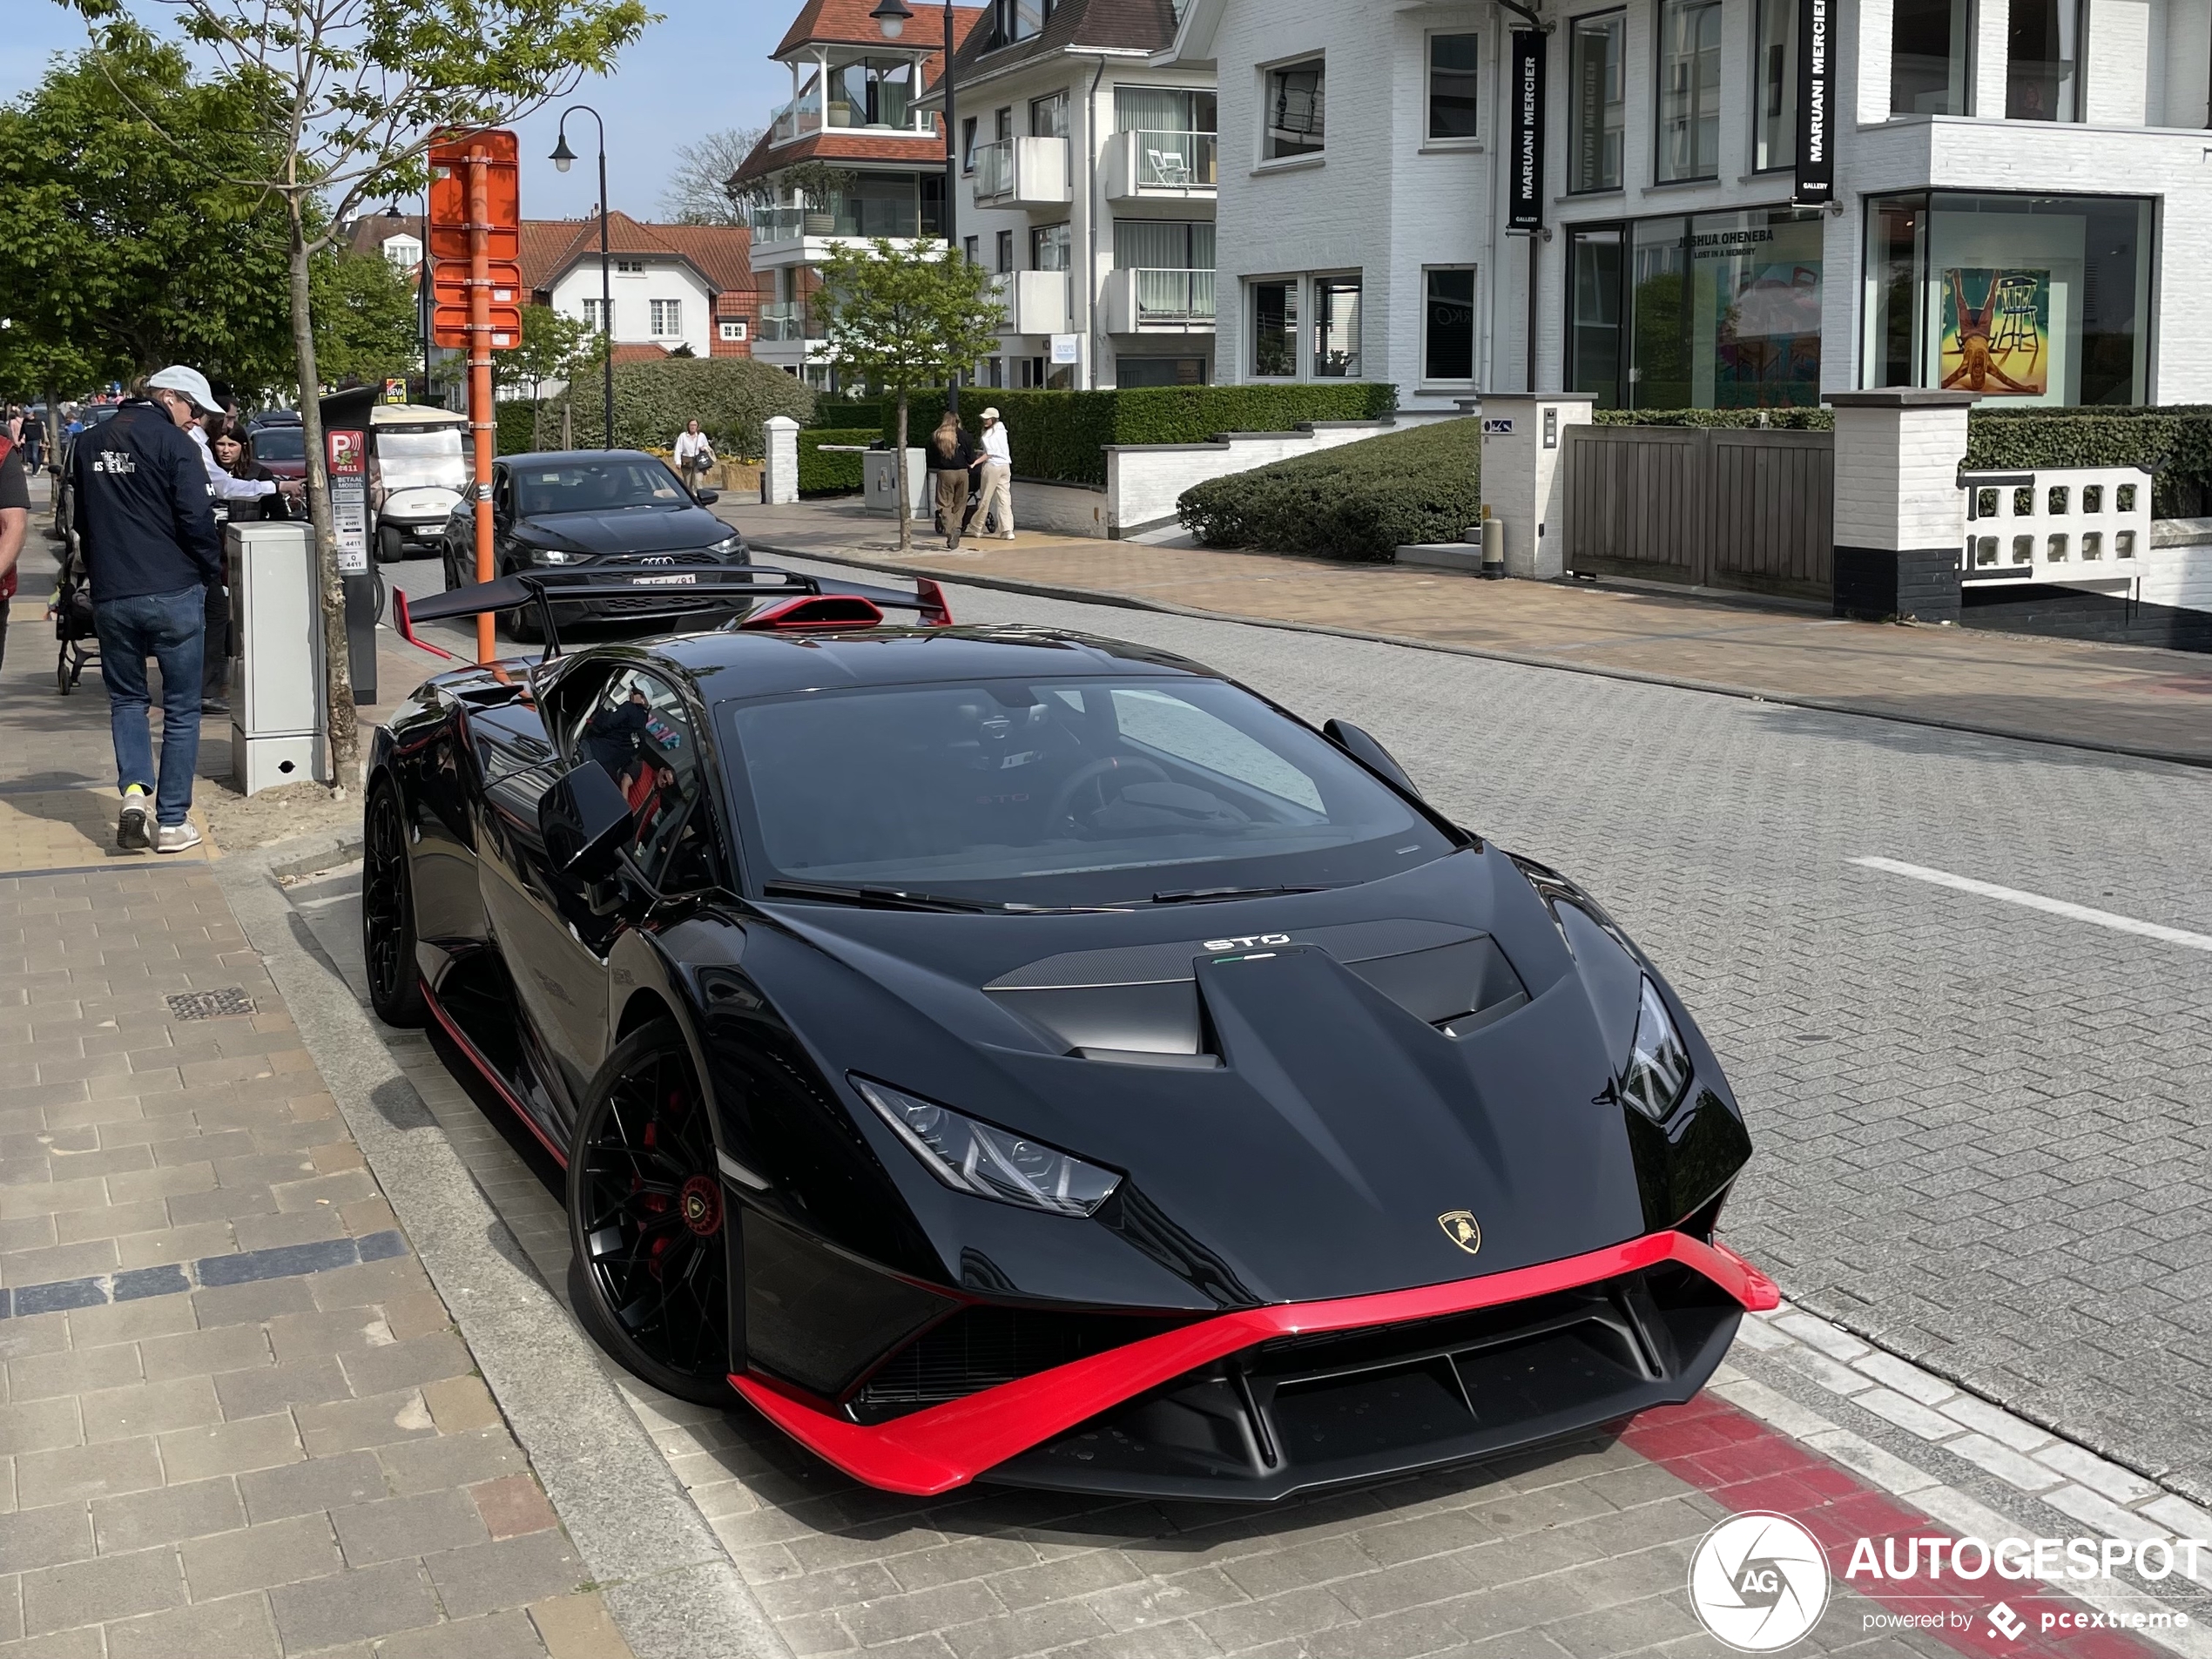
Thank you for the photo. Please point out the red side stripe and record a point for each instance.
(1739, 1461)
(947, 1446)
(484, 1070)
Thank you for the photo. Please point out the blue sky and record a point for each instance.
(705, 66)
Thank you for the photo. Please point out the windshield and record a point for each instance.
(426, 456)
(279, 443)
(594, 487)
(1059, 793)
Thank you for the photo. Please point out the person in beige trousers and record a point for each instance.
(998, 479)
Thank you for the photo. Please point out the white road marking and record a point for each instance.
(2038, 901)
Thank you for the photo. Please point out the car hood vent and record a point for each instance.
(1140, 1004)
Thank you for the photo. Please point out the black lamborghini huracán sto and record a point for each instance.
(1002, 1054)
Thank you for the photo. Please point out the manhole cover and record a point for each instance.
(209, 1004)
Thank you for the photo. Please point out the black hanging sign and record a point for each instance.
(1815, 183)
(1524, 196)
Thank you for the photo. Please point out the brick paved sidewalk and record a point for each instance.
(236, 1420)
(2133, 698)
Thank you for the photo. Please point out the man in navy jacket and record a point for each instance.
(146, 527)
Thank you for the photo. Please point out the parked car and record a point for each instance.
(281, 449)
(604, 509)
(1007, 1055)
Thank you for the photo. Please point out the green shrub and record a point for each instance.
(832, 475)
(1788, 420)
(730, 398)
(1062, 437)
(1358, 501)
(2172, 443)
(515, 435)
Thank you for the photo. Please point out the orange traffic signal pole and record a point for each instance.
(481, 417)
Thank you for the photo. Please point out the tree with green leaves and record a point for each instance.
(555, 347)
(138, 250)
(334, 103)
(367, 325)
(905, 318)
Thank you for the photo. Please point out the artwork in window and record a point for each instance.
(1997, 332)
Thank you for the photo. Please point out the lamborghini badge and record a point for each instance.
(1462, 1229)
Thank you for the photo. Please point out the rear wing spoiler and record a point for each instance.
(798, 603)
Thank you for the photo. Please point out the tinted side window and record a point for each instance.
(639, 730)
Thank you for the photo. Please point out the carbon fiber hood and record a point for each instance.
(1298, 1091)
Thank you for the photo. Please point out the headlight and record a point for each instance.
(974, 1157)
(554, 556)
(727, 546)
(1658, 1067)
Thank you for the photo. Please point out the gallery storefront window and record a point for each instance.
(2031, 298)
(1719, 310)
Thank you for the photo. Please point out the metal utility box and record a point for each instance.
(277, 734)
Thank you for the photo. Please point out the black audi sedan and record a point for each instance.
(621, 511)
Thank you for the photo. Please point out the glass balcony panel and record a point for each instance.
(1176, 160)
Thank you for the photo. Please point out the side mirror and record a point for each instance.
(707, 498)
(1370, 754)
(584, 820)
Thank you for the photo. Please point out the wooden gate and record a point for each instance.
(1705, 506)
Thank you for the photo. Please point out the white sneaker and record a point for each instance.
(175, 838)
(132, 831)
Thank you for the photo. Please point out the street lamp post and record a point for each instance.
(891, 17)
(562, 156)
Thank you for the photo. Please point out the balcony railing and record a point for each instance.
(1174, 296)
(1176, 160)
(995, 169)
(802, 115)
(776, 224)
(845, 216)
(783, 320)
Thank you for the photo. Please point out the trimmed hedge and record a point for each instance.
(1787, 420)
(1062, 437)
(833, 475)
(2173, 442)
(515, 428)
(1358, 501)
(731, 397)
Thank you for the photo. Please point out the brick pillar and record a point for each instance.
(1899, 517)
(779, 465)
(1524, 441)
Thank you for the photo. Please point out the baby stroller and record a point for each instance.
(73, 622)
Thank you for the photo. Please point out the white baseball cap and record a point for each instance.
(191, 382)
(990, 414)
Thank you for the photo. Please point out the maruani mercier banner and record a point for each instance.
(1815, 184)
(1525, 199)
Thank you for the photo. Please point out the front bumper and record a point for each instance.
(1262, 1402)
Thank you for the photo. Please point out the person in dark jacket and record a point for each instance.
(950, 456)
(146, 528)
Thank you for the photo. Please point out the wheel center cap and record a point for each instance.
(700, 1201)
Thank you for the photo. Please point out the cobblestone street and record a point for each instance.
(288, 1370)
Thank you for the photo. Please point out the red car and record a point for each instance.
(282, 449)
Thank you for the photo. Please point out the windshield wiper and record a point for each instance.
(885, 898)
(1209, 895)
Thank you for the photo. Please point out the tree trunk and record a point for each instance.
(905, 531)
(337, 681)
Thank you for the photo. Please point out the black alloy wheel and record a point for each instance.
(387, 913)
(649, 1220)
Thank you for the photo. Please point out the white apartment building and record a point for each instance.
(2019, 191)
(1088, 172)
(853, 154)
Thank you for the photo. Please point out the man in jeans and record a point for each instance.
(146, 527)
